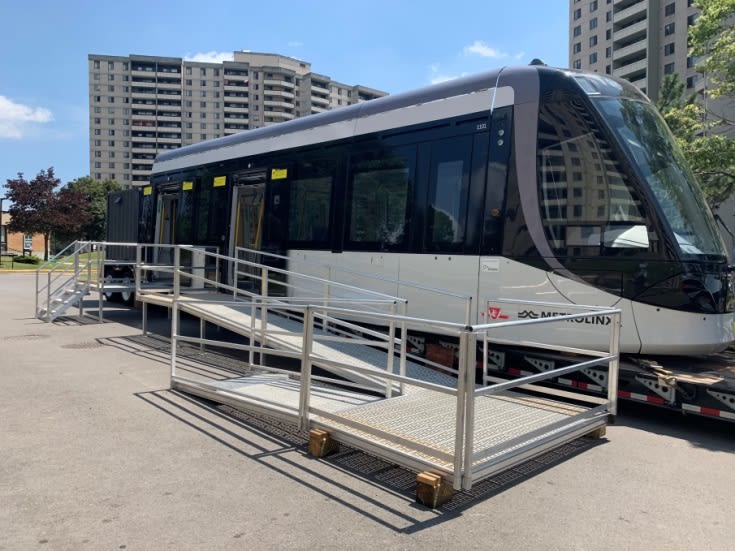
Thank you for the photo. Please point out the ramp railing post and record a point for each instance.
(304, 396)
(612, 375)
(177, 275)
(174, 335)
(404, 345)
(460, 416)
(390, 352)
(470, 353)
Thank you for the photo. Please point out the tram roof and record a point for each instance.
(176, 158)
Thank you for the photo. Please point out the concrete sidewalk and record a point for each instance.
(97, 453)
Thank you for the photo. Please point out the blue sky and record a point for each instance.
(391, 45)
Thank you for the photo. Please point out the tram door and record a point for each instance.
(166, 211)
(247, 225)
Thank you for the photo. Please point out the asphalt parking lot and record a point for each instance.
(97, 453)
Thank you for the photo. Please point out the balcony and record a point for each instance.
(281, 93)
(274, 103)
(140, 172)
(169, 117)
(143, 96)
(319, 88)
(631, 32)
(323, 102)
(630, 50)
(278, 116)
(279, 83)
(236, 120)
(636, 10)
(174, 141)
(244, 110)
(633, 71)
(145, 73)
(235, 85)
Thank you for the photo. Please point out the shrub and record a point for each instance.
(30, 259)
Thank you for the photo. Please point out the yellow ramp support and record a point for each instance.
(320, 444)
(432, 490)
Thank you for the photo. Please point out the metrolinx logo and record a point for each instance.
(592, 320)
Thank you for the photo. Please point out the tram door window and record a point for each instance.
(448, 191)
(168, 202)
(247, 224)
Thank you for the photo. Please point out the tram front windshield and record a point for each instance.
(648, 143)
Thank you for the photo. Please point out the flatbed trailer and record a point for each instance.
(700, 385)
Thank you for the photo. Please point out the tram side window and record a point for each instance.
(378, 195)
(584, 193)
(448, 189)
(309, 200)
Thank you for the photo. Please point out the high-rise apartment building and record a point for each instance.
(638, 40)
(140, 105)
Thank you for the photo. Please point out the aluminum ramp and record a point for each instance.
(283, 333)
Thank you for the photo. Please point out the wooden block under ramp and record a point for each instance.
(320, 444)
(599, 432)
(432, 490)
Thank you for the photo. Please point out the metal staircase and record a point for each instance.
(63, 282)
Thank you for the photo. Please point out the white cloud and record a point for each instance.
(210, 57)
(437, 76)
(15, 118)
(478, 47)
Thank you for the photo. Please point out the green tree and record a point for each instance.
(700, 132)
(39, 208)
(96, 194)
(713, 37)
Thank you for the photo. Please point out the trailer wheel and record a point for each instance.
(112, 297)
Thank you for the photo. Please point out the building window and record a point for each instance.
(110, 65)
(608, 34)
(691, 61)
(577, 47)
(188, 70)
(577, 30)
(593, 5)
(593, 23)
(670, 9)
(593, 41)
(692, 81)
(577, 64)
(593, 58)
(668, 68)
(669, 28)
(608, 16)
(96, 64)
(202, 72)
(669, 48)
(577, 13)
